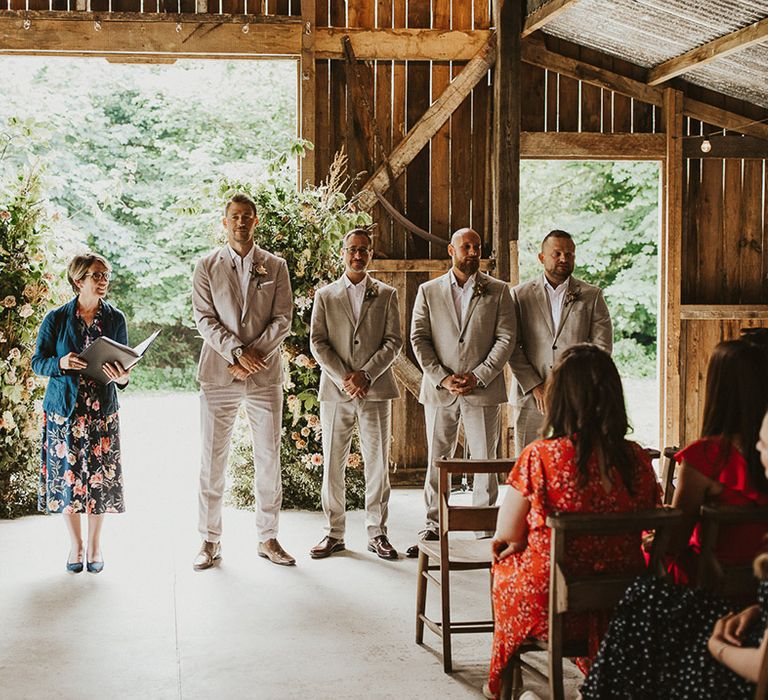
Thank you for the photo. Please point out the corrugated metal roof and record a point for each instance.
(650, 32)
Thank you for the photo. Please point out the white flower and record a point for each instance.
(26, 311)
(10, 378)
(14, 354)
(8, 420)
(31, 383)
(38, 406)
(316, 459)
(302, 303)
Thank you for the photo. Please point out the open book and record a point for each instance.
(105, 349)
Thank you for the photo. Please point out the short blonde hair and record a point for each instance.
(79, 265)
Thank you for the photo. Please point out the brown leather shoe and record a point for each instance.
(381, 547)
(424, 535)
(209, 553)
(272, 550)
(327, 546)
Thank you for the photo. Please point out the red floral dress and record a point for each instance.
(547, 474)
(737, 544)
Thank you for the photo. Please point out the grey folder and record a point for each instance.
(105, 349)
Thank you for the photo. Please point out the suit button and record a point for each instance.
(357, 342)
(461, 340)
(554, 347)
(243, 324)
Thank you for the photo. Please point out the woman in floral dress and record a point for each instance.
(586, 466)
(80, 471)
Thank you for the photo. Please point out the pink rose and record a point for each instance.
(61, 450)
(69, 477)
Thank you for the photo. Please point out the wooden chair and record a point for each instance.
(593, 593)
(732, 581)
(451, 554)
(668, 473)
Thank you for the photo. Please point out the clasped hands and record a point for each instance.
(460, 384)
(250, 362)
(114, 370)
(356, 384)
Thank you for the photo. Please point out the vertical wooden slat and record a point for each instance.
(642, 113)
(591, 96)
(710, 232)
(533, 87)
(672, 402)
(440, 167)
(323, 130)
(731, 233)
(481, 105)
(751, 250)
(308, 90)
(552, 81)
(360, 14)
(399, 91)
(338, 91)
(461, 136)
(417, 181)
(690, 246)
(568, 94)
(384, 120)
(622, 105)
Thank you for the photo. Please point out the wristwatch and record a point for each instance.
(237, 353)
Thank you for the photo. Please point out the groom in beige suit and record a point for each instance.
(355, 338)
(242, 305)
(553, 312)
(462, 333)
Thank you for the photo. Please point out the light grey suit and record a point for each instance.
(342, 345)
(585, 319)
(482, 345)
(218, 304)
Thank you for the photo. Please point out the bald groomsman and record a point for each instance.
(355, 338)
(553, 312)
(462, 333)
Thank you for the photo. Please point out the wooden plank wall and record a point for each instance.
(724, 260)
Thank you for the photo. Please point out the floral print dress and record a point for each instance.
(80, 470)
(547, 474)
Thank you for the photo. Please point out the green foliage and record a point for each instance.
(611, 209)
(306, 228)
(26, 291)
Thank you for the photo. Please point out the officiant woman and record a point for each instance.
(80, 472)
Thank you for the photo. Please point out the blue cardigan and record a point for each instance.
(58, 336)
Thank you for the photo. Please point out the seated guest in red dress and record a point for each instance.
(586, 465)
(723, 466)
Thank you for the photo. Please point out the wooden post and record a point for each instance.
(671, 262)
(506, 134)
(308, 89)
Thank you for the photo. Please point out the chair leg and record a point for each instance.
(556, 690)
(445, 619)
(421, 596)
(511, 679)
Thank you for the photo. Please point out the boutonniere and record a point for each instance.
(572, 295)
(371, 291)
(258, 273)
(480, 290)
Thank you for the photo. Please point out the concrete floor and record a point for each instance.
(150, 627)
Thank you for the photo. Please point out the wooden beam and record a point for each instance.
(506, 134)
(426, 127)
(537, 54)
(722, 117)
(545, 14)
(718, 48)
(726, 146)
(308, 83)
(671, 266)
(723, 312)
(437, 265)
(543, 145)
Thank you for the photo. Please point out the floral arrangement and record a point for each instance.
(572, 296)
(26, 291)
(306, 228)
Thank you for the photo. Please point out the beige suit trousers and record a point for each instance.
(529, 423)
(218, 411)
(481, 432)
(374, 419)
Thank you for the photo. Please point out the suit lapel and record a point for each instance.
(367, 301)
(228, 270)
(480, 279)
(546, 311)
(343, 298)
(448, 299)
(567, 306)
(253, 283)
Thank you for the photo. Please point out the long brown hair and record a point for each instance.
(585, 402)
(735, 401)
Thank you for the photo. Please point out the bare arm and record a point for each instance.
(511, 525)
(693, 490)
(745, 661)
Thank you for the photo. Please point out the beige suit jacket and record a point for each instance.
(585, 319)
(341, 346)
(481, 345)
(217, 302)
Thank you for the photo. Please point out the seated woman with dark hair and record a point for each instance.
(587, 466)
(669, 641)
(723, 466)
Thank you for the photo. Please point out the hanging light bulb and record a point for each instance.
(706, 146)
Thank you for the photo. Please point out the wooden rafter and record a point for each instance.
(545, 14)
(723, 46)
(438, 113)
(565, 145)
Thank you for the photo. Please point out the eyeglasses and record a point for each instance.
(98, 276)
(365, 252)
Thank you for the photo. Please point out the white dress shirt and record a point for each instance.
(462, 295)
(242, 266)
(356, 294)
(556, 298)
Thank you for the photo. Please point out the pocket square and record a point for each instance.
(264, 284)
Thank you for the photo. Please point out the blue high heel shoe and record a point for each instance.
(94, 567)
(74, 567)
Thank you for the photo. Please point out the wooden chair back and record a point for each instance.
(733, 581)
(438, 559)
(668, 472)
